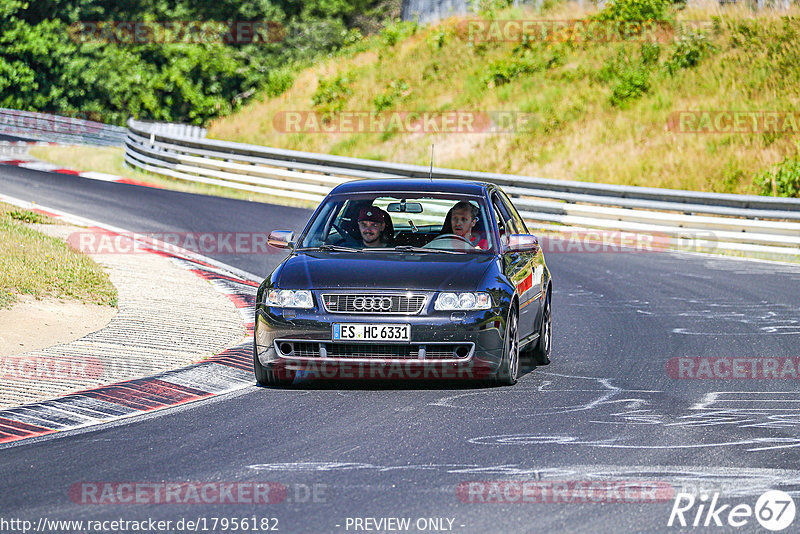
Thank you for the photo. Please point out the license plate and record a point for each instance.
(371, 332)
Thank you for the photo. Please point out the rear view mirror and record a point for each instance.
(523, 243)
(281, 239)
(404, 207)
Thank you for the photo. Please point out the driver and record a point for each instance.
(371, 224)
(463, 218)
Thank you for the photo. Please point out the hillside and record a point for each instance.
(594, 110)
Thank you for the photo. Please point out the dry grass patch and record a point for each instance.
(32, 263)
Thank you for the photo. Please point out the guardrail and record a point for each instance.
(29, 125)
(706, 220)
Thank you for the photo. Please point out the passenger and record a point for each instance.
(463, 218)
(372, 223)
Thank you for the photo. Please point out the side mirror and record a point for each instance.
(281, 239)
(523, 243)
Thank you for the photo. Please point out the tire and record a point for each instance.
(508, 373)
(540, 354)
(270, 377)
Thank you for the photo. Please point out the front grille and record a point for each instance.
(306, 350)
(353, 350)
(315, 349)
(380, 303)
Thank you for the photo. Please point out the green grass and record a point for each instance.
(32, 263)
(600, 109)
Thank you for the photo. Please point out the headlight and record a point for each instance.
(463, 301)
(289, 298)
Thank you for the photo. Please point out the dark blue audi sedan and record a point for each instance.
(405, 279)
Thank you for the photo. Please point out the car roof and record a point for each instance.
(422, 185)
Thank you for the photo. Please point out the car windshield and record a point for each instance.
(401, 222)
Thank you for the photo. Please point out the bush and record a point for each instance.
(332, 93)
(488, 8)
(635, 10)
(633, 83)
(279, 81)
(688, 52)
(781, 181)
(394, 92)
(502, 71)
(630, 77)
(396, 31)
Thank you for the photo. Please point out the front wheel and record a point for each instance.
(509, 368)
(541, 352)
(270, 377)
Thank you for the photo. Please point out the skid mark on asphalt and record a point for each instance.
(729, 317)
(732, 482)
(601, 411)
(589, 392)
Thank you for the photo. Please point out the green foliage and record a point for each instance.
(689, 50)
(633, 83)
(489, 8)
(437, 38)
(521, 62)
(395, 91)
(396, 31)
(332, 93)
(629, 75)
(650, 53)
(28, 216)
(279, 81)
(50, 66)
(782, 181)
(635, 10)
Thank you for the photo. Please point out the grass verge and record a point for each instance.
(32, 263)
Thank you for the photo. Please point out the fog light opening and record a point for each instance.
(462, 351)
(286, 348)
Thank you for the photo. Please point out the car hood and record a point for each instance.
(390, 270)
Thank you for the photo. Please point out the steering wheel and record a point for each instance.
(340, 231)
(449, 236)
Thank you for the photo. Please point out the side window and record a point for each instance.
(505, 224)
(502, 213)
(344, 226)
(522, 229)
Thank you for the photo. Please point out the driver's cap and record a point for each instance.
(370, 213)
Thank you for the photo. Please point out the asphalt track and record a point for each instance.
(606, 410)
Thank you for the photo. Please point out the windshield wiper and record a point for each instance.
(409, 248)
(333, 248)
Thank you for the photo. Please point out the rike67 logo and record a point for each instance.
(774, 510)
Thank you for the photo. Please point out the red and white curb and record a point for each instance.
(51, 167)
(228, 371)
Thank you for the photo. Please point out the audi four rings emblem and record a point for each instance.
(372, 303)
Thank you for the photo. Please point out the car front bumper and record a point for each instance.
(446, 345)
